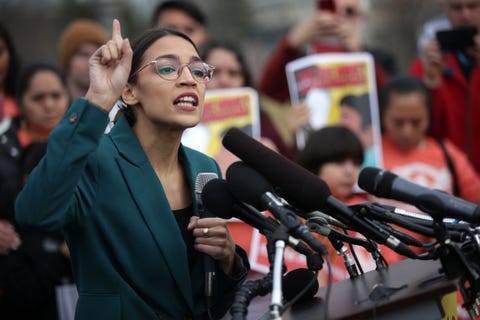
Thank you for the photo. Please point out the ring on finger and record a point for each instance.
(205, 232)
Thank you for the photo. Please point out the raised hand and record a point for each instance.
(109, 70)
(433, 64)
(310, 29)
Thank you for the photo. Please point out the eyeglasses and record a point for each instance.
(170, 69)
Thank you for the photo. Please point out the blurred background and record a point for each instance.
(257, 25)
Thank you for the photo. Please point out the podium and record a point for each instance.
(409, 289)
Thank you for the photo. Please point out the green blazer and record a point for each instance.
(128, 255)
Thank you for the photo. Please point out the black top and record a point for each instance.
(183, 218)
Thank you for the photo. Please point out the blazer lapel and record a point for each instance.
(149, 196)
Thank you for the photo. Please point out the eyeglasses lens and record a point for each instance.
(170, 69)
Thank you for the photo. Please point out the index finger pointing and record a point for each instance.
(116, 30)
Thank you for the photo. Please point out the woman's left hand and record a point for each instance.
(213, 238)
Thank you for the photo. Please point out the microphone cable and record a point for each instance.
(299, 295)
(337, 239)
(249, 290)
(354, 253)
(409, 220)
(329, 287)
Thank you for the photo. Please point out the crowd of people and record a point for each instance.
(74, 194)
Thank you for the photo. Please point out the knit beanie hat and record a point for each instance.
(77, 33)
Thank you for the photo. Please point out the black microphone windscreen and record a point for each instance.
(366, 178)
(217, 198)
(296, 280)
(238, 174)
(376, 181)
(297, 185)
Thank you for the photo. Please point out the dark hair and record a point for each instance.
(218, 44)
(187, 7)
(30, 71)
(403, 85)
(361, 104)
(14, 63)
(139, 46)
(330, 144)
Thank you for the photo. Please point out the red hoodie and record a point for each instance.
(456, 107)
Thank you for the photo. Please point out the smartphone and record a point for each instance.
(326, 5)
(456, 39)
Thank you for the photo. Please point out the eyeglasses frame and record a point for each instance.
(209, 68)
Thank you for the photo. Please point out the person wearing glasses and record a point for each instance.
(126, 200)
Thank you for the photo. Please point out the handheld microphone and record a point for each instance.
(218, 198)
(208, 262)
(436, 203)
(303, 189)
(251, 187)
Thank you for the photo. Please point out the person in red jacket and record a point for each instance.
(323, 32)
(453, 78)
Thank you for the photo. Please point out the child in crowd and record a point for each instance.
(335, 154)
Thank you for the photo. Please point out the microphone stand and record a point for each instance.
(319, 225)
(380, 261)
(262, 286)
(279, 238)
(455, 262)
(348, 260)
(249, 290)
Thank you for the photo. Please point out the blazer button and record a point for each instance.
(73, 117)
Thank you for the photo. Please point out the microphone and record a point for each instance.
(320, 226)
(259, 193)
(326, 218)
(218, 199)
(208, 262)
(436, 203)
(415, 222)
(303, 189)
(293, 180)
(299, 284)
